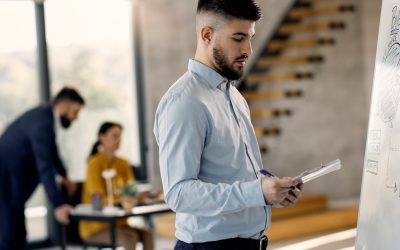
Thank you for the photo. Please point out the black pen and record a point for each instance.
(266, 173)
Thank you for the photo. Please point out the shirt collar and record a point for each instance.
(213, 78)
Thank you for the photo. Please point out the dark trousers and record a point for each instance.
(12, 219)
(227, 244)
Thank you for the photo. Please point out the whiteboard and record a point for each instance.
(379, 213)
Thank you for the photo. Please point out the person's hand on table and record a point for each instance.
(62, 213)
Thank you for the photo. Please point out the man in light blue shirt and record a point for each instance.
(209, 155)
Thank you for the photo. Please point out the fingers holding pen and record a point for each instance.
(293, 196)
(276, 190)
(291, 199)
(284, 191)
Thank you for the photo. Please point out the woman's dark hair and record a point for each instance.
(241, 9)
(103, 129)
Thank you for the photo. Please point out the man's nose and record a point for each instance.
(247, 49)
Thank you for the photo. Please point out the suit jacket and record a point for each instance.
(29, 155)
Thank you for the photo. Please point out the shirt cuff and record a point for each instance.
(253, 193)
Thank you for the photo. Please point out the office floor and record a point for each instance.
(343, 240)
(161, 244)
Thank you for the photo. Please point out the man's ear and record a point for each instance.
(206, 34)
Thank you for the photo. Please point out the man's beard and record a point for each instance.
(224, 68)
(65, 122)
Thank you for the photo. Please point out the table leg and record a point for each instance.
(112, 234)
(63, 238)
(149, 219)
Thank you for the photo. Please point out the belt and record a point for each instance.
(235, 244)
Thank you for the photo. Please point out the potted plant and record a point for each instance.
(128, 193)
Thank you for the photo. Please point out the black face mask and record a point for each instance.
(65, 122)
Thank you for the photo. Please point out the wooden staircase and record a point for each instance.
(293, 55)
(311, 215)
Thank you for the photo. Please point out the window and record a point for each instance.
(19, 88)
(90, 48)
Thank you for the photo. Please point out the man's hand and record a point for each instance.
(293, 196)
(69, 185)
(278, 190)
(62, 212)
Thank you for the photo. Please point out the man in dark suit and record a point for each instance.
(29, 155)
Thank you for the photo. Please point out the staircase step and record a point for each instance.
(329, 10)
(309, 216)
(277, 77)
(322, 222)
(310, 2)
(262, 132)
(271, 95)
(292, 60)
(298, 44)
(165, 224)
(310, 27)
(307, 204)
(265, 113)
(264, 149)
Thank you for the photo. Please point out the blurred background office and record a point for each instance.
(308, 84)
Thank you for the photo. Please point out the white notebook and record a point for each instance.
(324, 169)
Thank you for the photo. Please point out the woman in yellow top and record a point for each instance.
(103, 157)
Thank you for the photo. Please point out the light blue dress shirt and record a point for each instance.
(209, 159)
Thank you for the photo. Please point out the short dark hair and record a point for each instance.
(69, 94)
(241, 9)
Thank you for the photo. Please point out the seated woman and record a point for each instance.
(103, 157)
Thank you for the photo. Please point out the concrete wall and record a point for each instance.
(329, 122)
(370, 11)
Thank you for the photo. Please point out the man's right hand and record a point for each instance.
(276, 189)
(69, 185)
(62, 213)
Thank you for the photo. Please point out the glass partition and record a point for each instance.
(19, 88)
(90, 48)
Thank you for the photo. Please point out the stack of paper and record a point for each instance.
(320, 171)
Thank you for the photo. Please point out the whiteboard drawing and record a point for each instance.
(375, 135)
(374, 148)
(374, 141)
(372, 167)
(393, 168)
(379, 209)
(391, 92)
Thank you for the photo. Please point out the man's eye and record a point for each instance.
(237, 39)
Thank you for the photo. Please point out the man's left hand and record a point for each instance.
(293, 196)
